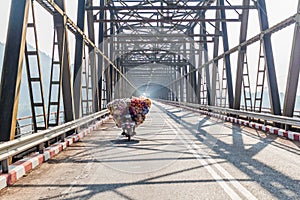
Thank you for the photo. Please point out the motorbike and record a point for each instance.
(128, 127)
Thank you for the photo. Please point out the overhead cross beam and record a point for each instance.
(166, 20)
(170, 7)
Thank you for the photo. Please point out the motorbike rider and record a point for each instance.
(127, 118)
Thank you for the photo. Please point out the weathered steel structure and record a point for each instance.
(174, 50)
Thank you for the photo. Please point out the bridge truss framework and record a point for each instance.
(158, 48)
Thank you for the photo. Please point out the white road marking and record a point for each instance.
(219, 179)
(231, 179)
(214, 174)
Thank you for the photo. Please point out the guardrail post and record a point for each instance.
(286, 127)
(62, 137)
(4, 166)
(41, 148)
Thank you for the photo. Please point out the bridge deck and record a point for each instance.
(176, 154)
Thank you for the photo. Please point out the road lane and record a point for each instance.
(176, 154)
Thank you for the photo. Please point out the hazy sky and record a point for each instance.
(276, 12)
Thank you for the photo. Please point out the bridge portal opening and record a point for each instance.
(154, 91)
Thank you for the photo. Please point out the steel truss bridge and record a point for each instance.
(175, 52)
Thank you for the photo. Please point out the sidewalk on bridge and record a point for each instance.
(25, 165)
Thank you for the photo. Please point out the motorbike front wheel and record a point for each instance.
(129, 133)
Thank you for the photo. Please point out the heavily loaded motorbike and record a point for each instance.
(128, 127)
(129, 113)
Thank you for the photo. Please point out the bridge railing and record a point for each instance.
(25, 124)
(17, 146)
(283, 120)
(267, 110)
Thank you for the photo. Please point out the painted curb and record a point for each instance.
(25, 165)
(295, 136)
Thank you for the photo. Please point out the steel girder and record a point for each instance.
(268, 51)
(293, 74)
(92, 57)
(215, 53)
(227, 58)
(78, 59)
(136, 18)
(67, 87)
(100, 57)
(241, 56)
(12, 68)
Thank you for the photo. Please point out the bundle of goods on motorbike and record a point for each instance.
(129, 112)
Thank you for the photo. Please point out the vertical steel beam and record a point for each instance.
(174, 83)
(121, 81)
(272, 80)
(241, 56)
(215, 54)
(116, 79)
(181, 82)
(170, 87)
(186, 76)
(119, 77)
(200, 74)
(100, 58)
(111, 56)
(78, 60)
(190, 88)
(175, 78)
(195, 88)
(62, 38)
(186, 83)
(293, 74)
(207, 72)
(193, 66)
(12, 68)
(92, 57)
(107, 67)
(227, 56)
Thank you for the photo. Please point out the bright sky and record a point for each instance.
(276, 11)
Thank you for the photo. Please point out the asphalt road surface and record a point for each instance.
(176, 154)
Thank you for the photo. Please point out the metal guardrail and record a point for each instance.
(268, 110)
(263, 116)
(25, 124)
(14, 147)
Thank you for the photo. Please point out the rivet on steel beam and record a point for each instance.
(262, 35)
(297, 19)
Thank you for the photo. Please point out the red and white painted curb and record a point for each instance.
(25, 165)
(277, 131)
